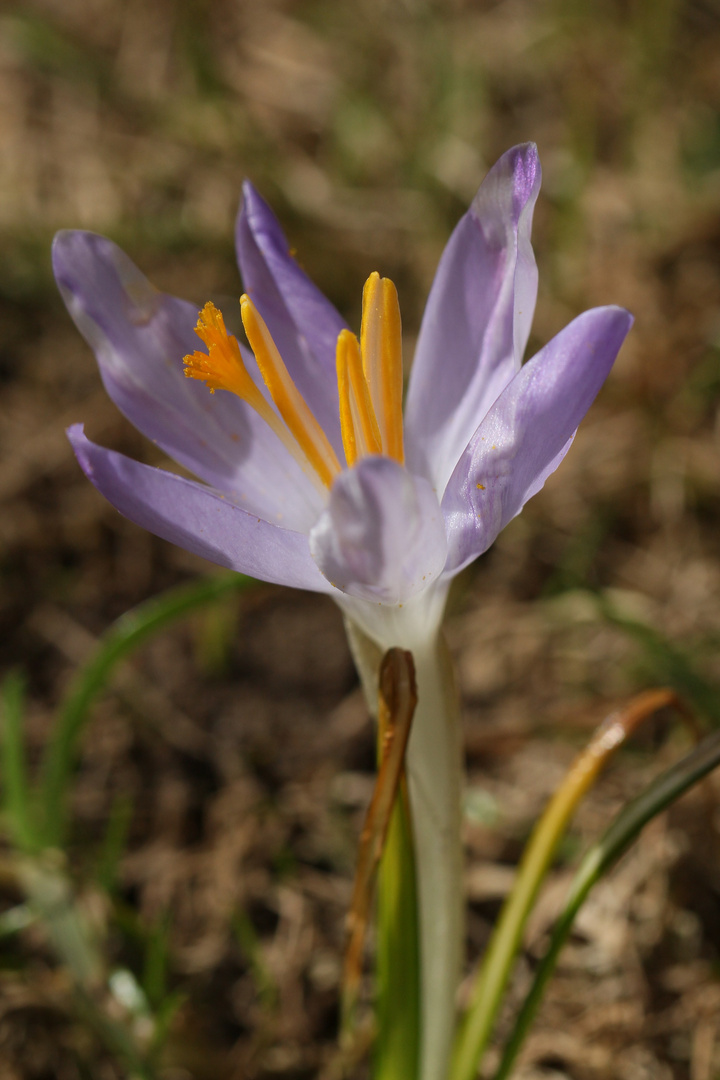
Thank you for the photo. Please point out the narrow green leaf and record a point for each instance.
(17, 797)
(387, 853)
(622, 831)
(155, 968)
(106, 871)
(397, 1046)
(130, 631)
(52, 899)
(669, 664)
(475, 1030)
(163, 1019)
(114, 1036)
(397, 700)
(386, 864)
(249, 943)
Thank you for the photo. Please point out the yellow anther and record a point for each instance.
(347, 427)
(358, 424)
(381, 345)
(290, 403)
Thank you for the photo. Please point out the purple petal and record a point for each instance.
(477, 320)
(303, 322)
(140, 337)
(528, 430)
(198, 519)
(382, 536)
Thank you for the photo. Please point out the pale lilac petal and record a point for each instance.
(303, 322)
(477, 320)
(528, 431)
(382, 536)
(198, 519)
(140, 337)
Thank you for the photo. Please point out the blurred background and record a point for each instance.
(223, 780)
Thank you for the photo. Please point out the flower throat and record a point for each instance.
(369, 377)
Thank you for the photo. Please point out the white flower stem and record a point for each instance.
(434, 767)
(434, 770)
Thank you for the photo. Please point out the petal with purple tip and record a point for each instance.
(304, 324)
(477, 320)
(197, 518)
(382, 535)
(140, 337)
(527, 432)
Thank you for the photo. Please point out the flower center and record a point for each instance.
(369, 375)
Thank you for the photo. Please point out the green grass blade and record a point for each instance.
(17, 796)
(157, 956)
(250, 946)
(618, 837)
(397, 1046)
(474, 1032)
(125, 635)
(669, 664)
(113, 846)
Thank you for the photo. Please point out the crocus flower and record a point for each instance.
(310, 473)
(339, 493)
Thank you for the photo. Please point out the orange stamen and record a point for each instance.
(288, 399)
(358, 424)
(381, 344)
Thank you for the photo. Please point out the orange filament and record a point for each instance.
(288, 399)
(358, 424)
(369, 375)
(381, 344)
